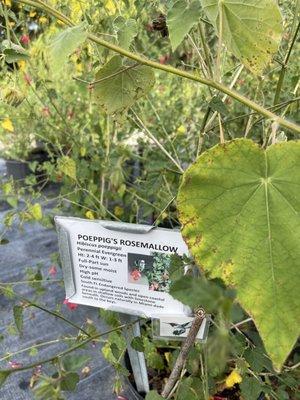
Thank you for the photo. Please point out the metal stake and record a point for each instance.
(137, 358)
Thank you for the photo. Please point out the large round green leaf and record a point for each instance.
(239, 209)
(119, 87)
(251, 29)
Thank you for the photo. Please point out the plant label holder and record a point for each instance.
(89, 246)
(174, 327)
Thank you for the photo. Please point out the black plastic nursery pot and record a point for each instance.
(19, 170)
(131, 393)
(131, 390)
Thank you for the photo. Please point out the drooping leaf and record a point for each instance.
(13, 97)
(251, 388)
(35, 210)
(7, 187)
(64, 44)
(116, 352)
(110, 317)
(257, 359)
(13, 52)
(121, 86)
(13, 202)
(190, 388)
(197, 292)
(126, 30)
(251, 29)
(3, 376)
(115, 346)
(73, 363)
(239, 208)
(181, 18)
(216, 104)
(44, 389)
(18, 316)
(138, 344)
(69, 381)
(153, 358)
(67, 166)
(153, 395)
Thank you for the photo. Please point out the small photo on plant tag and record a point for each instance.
(174, 327)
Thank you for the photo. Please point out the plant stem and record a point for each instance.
(201, 60)
(168, 68)
(233, 82)
(206, 49)
(6, 24)
(163, 210)
(33, 281)
(284, 65)
(277, 107)
(218, 73)
(164, 129)
(182, 357)
(63, 353)
(153, 138)
(35, 346)
(53, 313)
(222, 137)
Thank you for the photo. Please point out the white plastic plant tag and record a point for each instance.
(119, 266)
(176, 327)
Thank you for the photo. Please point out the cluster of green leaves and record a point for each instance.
(209, 370)
(65, 379)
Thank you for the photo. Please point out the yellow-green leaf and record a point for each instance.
(251, 29)
(35, 210)
(67, 166)
(3, 376)
(239, 208)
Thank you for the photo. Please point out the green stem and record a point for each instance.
(156, 222)
(33, 281)
(202, 64)
(141, 124)
(204, 121)
(6, 24)
(218, 73)
(164, 129)
(276, 107)
(35, 346)
(53, 313)
(63, 353)
(206, 49)
(168, 68)
(284, 66)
